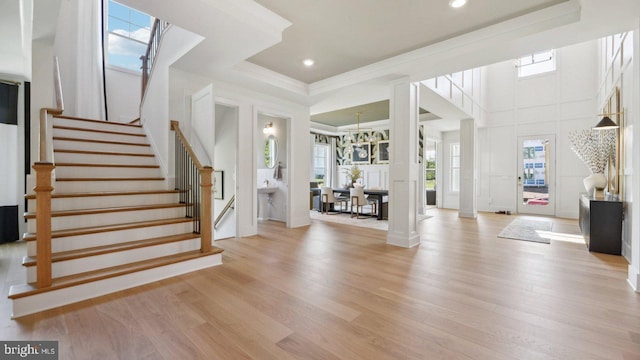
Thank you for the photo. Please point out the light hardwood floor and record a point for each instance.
(331, 291)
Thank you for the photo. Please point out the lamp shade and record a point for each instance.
(605, 123)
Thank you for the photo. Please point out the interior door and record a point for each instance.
(536, 175)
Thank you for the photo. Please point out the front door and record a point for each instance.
(536, 175)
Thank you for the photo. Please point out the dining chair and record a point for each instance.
(359, 200)
(327, 198)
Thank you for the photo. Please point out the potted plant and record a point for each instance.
(353, 174)
(594, 148)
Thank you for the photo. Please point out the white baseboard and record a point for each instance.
(403, 241)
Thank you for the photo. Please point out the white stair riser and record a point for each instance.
(104, 125)
(106, 172)
(98, 202)
(92, 135)
(93, 146)
(120, 217)
(52, 299)
(77, 242)
(62, 157)
(76, 266)
(97, 186)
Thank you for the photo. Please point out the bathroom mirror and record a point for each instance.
(271, 151)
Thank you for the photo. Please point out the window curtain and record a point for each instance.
(78, 45)
(89, 80)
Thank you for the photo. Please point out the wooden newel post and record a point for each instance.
(206, 215)
(43, 191)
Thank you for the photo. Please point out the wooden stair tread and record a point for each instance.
(108, 228)
(32, 215)
(112, 248)
(24, 290)
(112, 179)
(108, 165)
(89, 152)
(64, 138)
(97, 131)
(95, 121)
(107, 193)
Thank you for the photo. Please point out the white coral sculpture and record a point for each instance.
(593, 147)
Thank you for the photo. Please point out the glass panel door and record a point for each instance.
(536, 174)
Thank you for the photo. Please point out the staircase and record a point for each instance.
(114, 223)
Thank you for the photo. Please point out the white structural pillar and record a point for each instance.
(633, 203)
(403, 165)
(468, 138)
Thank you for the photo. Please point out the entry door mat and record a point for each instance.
(528, 230)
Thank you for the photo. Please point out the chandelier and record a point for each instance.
(358, 139)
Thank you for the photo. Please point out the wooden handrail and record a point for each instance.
(224, 211)
(175, 126)
(202, 215)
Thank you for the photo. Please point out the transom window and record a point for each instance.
(538, 63)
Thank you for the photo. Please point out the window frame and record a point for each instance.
(108, 33)
(454, 187)
(520, 66)
(326, 148)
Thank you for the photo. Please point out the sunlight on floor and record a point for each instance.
(554, 236)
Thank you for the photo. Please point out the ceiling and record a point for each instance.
(345, 35)
(375, 111)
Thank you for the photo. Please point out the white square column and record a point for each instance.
(468, 139)
(403, 165)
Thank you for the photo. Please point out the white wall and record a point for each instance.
(123, 101)
(553, 103)
(154, 110)
(616, 70)
(250, 103)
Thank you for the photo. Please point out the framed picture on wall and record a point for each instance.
(383, 152)
(218, 184)
(361, 154)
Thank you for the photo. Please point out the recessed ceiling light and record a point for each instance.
(457, 3)
(308, 62)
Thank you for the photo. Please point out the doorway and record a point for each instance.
(226, 144)
(536, 175)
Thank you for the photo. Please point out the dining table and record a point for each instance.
(378, 195)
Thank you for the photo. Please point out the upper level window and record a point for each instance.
(538, 63)
(128, 33)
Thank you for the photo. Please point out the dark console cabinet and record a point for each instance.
(601, 224)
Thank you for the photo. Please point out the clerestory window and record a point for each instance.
(538, 63)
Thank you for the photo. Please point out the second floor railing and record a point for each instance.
(194, 182)
(149, 57)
